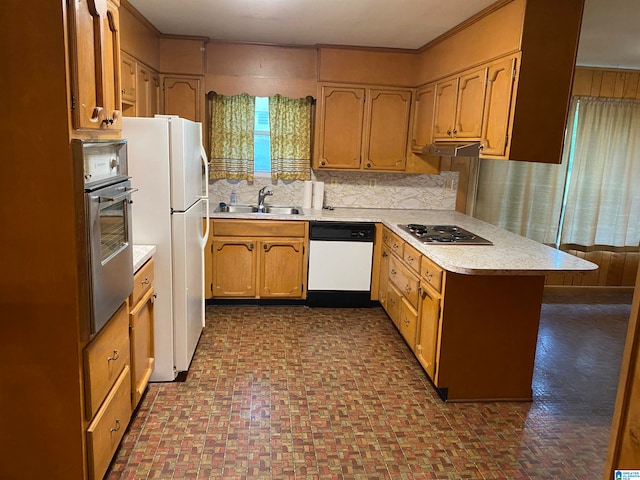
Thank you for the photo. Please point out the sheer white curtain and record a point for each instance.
(603, 195)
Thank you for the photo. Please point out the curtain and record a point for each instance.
(603, 195)
(522, 197)
(290, 121)
(231, 136)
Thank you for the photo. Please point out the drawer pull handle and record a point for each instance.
(117, 427)
(385, 254)
(115, 356)
(145, 281)
(407, 288)
(393, 272)
(428, 276)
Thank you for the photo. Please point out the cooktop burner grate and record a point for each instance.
(444, 234)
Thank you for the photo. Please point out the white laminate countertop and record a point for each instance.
(510, 254)
(142, 253)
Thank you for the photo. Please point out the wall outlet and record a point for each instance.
(372, 182)
(450, 184)
(334, 182)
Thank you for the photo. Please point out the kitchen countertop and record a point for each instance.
(142, 253)
(510, 254)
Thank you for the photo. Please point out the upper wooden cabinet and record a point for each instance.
(95, 64)
(498, 102)
(422, 131)
(362, 128)
(183, 96)
(148, 91)
(459, 102)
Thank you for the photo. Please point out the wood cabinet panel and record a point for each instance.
(394, 304)
(412, 257)
(393, 241)
(427, 334)
(105, 357)
(422, 131)
(128, 78)
(148, 91)
(408, 322)
(469, 105)
(109, 425)
(445, 109)
(387, 123)
(95, 64)
(257, 228)
(234, 267)
(406, 281)
(340, 124)
(141, 331)
(432, 274)
(501, 78)
(183, 96)
(281, 268)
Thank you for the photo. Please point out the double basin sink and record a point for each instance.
(272, 209)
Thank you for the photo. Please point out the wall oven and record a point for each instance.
(107, 202)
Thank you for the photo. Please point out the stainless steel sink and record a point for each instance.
(282, 210)
(237, 209)
(268, 209)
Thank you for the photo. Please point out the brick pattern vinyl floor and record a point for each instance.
(302, 393)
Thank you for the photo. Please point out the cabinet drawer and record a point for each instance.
(432, 273)
(104, 358)
(408, 323)
(258, 228)
(394, 304)
(411, 257)
(406, 282)
(393, 241)
(108, 427)
(142, 282)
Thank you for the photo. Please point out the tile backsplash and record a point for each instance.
(350, 189)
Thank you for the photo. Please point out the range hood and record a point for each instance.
(453, 149)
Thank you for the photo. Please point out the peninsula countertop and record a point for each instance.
(510, 254)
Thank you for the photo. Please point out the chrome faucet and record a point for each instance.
(261, 195)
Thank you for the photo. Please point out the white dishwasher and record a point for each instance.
(340, 259)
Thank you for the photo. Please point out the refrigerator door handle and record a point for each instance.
(205, 161)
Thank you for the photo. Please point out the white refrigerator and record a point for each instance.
(169, 168)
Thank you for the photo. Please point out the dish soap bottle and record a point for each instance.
(234, 198)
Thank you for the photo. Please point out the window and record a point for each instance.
(262, 138)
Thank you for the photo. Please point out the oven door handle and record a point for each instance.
(126, 192)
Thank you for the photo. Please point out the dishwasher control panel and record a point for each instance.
(342, 231)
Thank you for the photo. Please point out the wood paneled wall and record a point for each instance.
(604, 82)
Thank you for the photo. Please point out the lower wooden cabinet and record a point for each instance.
(258, 259)
(474, 335)
(108, 426)
(107, 391)
(141, 331)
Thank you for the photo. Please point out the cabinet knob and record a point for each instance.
(251, 246)
(323, 163)
(455, 132)
(368, 165)
(449, 133)
(265, 246)
(145, 281)
(115, 356)
(393, 272)
(385, 254)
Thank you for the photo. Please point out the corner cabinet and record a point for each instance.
(183, 96)
(95, 64)
(257, 259)
(362, 128)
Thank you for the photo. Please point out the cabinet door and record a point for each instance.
(148, 88)
(445, 109)
(408, 323)
(394, 304)
(427, 335)
(387, 124)
(383, 282)
(234, 268)
(182, 96)
(497, 107)
(340, 124)
(95, 64)
(469, 105)
(423, 117)
(128, 82)
(281, 268)
(142, 346)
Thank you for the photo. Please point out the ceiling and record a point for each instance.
(609, 37)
